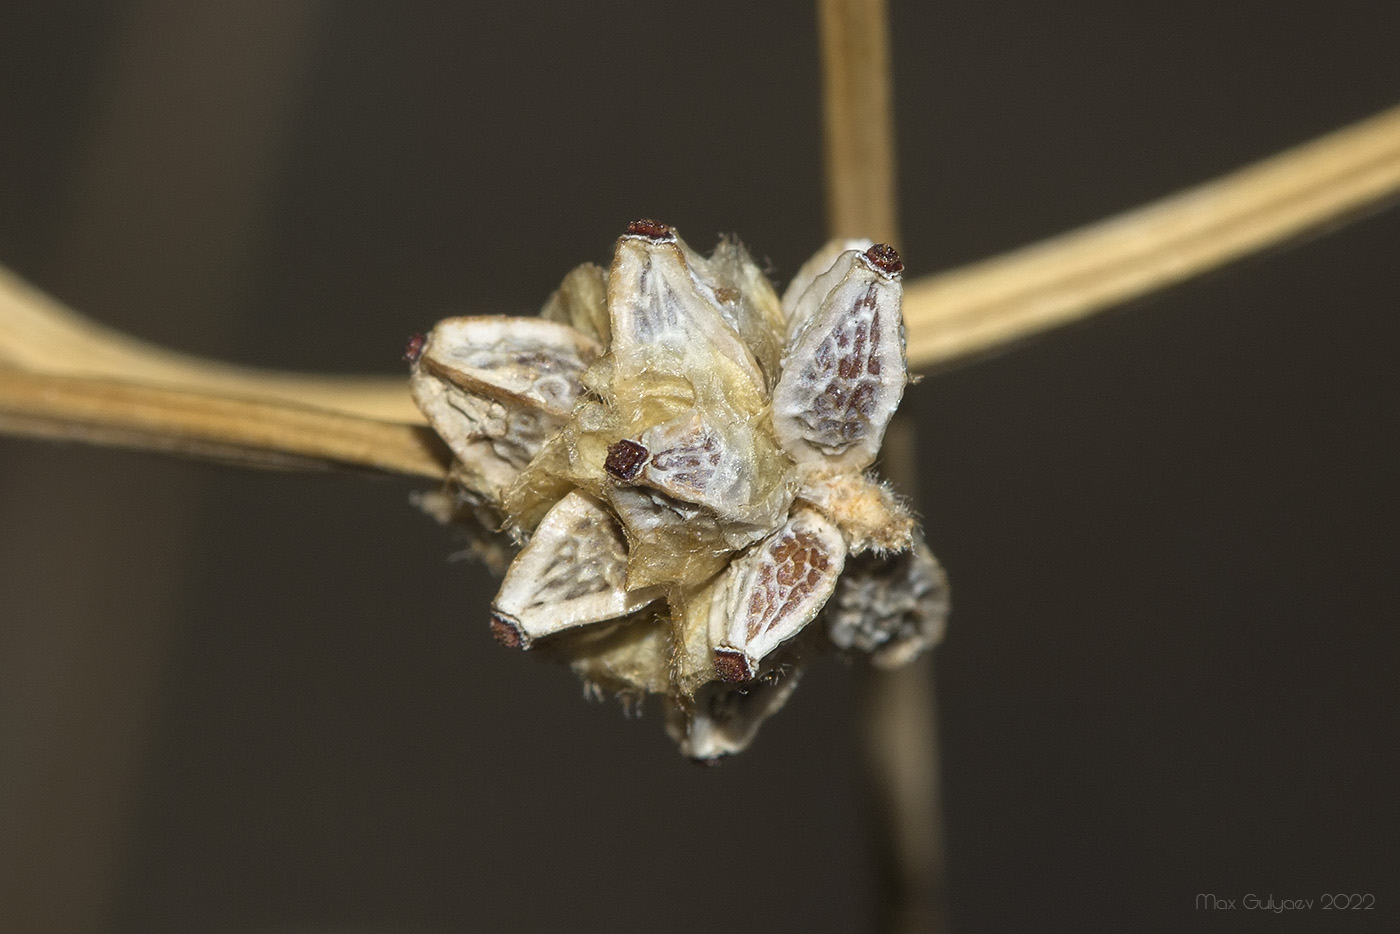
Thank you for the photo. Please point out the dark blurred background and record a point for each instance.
(244, 702)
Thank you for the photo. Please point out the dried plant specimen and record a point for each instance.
(685, 460)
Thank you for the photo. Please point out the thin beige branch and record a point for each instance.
(247, 431)
(63, 376)
(898, 725)
(859, 120)
(951, 316)
(988, 305)
(39, 334)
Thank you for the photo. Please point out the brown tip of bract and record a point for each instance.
(731, 666)
(414, 350)
(886, 258)
(653, 229)
(625, 460)
(507, 632)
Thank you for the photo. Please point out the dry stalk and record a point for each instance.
(40, 335)
(988, 305)
(954, 315)
(898, 726)
(858, 120)
(62, 376)
(252, 432)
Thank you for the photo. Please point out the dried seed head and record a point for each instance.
(684, 457)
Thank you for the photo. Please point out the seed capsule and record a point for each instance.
(771, 593)
(844, 373)
(573, 572)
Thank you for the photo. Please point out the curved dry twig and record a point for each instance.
(979, 308)
(39, 334)
(951, 316)
(251, 432)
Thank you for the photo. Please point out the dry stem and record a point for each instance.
(898, 727)
(62, 376)
(991, 304)
(951, 316)
(251, 432)
(39, 334)
(858, 112)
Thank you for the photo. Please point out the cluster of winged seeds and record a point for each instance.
(684, 458)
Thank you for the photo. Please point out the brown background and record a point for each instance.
(246, 702)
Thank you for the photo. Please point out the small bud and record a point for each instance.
(731, 666)
(625, 460)
(506, 632)
(886, 258)
(652, 229)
